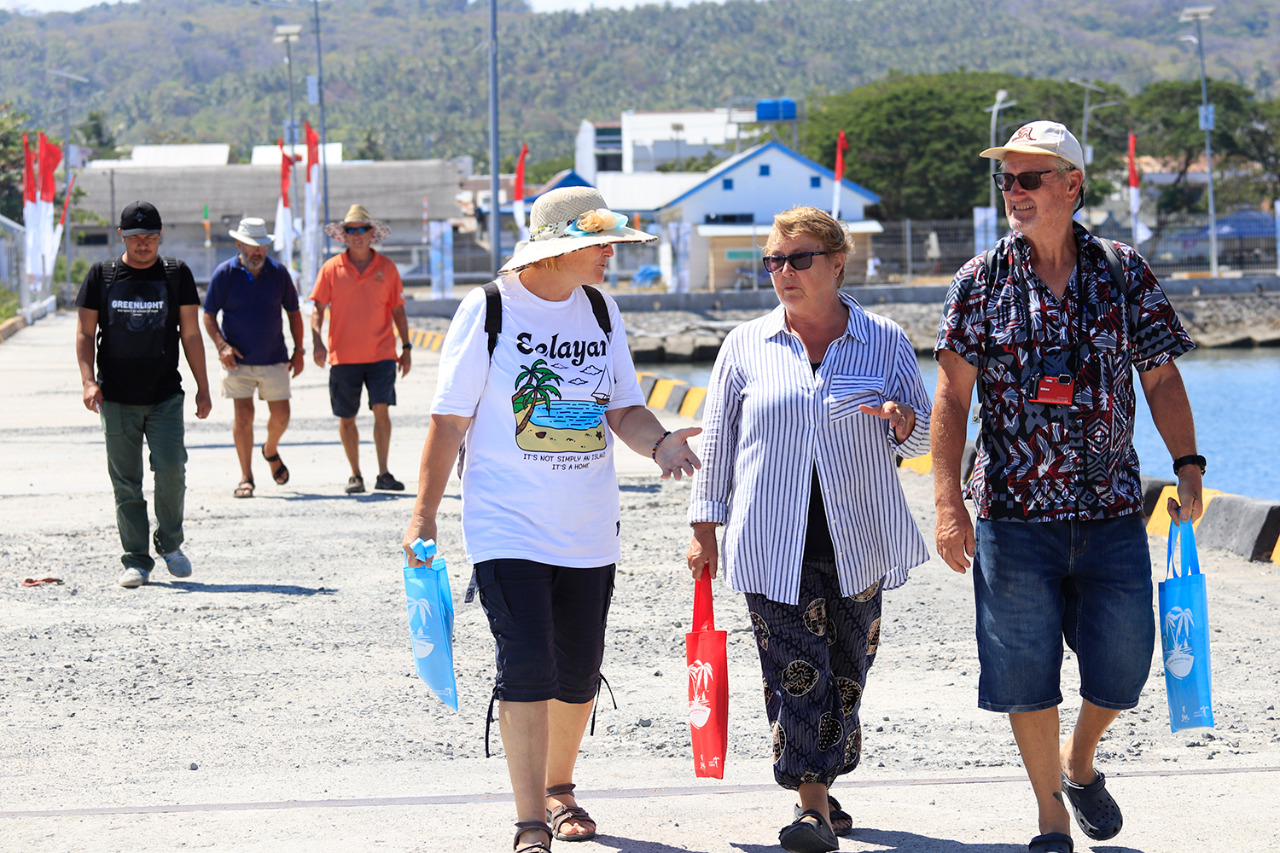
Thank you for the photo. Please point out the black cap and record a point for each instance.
(141, 217)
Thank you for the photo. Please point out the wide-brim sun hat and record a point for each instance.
(358, 213)
(1041, 137)
(568, 219)
(252, 231)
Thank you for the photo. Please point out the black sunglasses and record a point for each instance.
(799, 261)
(357, 229)
(1029, 180)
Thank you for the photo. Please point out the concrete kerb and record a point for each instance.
(1249, 527)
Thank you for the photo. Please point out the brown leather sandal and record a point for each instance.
(536, 846)
(562, 813)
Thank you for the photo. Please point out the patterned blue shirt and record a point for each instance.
(769, 419)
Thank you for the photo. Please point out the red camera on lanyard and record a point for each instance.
(1055, 390)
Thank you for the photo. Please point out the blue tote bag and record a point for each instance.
(430, 605)
(1184, 634)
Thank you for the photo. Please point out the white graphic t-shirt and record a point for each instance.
(539, 482)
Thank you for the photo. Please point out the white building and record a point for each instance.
(714, 229)
(642, 141)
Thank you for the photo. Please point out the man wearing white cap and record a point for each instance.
(1050, 325)
(251, 290)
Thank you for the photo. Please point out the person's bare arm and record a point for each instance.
(86, 330)
(439, 452)
(193, 349)
(953, 532)
(640, 430)
(1171, 412)
(319, 353)
(401, 322)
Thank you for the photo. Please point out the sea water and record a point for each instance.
(1235, 399)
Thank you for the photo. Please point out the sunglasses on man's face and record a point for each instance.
(799, 261)
(357, 229)
(1029, 180)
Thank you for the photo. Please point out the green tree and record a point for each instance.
(1166, 114)
(13, 122)
(914, 139)
(95, 133)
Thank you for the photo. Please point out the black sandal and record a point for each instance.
(281, 474)
(535, 847)
(838, 815)
(245, 489)
(558, 816)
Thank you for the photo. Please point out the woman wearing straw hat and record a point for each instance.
(535, 404)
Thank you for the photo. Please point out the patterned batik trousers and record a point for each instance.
(815, 657)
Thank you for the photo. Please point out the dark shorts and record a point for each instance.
(1038, 583)
(346, 380)
(548, 623)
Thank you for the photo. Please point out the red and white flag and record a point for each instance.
(842, 145)
(50, 157)
(311, 213)
(517, 205)
(283, 243)
(30, 221)
(1141, 233)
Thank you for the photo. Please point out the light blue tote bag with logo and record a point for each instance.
(430, 605)
(1184, 634)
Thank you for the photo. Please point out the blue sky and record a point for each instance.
(538, 5)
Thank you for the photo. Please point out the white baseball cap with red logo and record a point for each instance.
(1042, 137)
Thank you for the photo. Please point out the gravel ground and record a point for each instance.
(280, 674)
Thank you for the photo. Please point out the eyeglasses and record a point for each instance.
(357, 229)
(1029, 180)
(799, 261)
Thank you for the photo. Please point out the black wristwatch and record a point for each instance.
(406, 346)
(1193, 459)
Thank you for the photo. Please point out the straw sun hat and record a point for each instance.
(358, 213)
(568, 219)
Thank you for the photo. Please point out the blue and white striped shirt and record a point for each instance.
(769, 419)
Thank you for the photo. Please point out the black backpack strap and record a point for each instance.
(599, 308)
(1115, 265)
(110, 269)
(492, 315)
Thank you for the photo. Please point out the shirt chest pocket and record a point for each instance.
(848, 392)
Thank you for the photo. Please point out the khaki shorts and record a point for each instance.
(271, 381)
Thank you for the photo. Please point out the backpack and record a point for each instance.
(110, 272)
(493, 314)
(493, 328)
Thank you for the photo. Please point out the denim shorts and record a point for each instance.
(346, 380)
(548, 623)
(1037, 583)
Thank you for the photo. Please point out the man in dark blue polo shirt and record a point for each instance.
(251, 290)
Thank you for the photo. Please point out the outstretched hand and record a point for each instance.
(901, 417)
(674, 455)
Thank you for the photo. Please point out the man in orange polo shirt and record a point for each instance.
(361, 290)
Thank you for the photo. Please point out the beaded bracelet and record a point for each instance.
(654, 453)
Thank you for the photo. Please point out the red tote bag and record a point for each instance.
(708, 685)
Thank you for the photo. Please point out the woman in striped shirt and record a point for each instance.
(806, 410)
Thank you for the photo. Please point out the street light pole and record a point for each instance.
(994, 109)
(495, 233)
(1199, 14)
(324, 160)
(288, 34)
(66, 173)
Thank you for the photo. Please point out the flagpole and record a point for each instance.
(495, 233)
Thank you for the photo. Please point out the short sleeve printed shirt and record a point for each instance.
(1040, 461)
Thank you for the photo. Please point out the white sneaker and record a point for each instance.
(179, 565)
(132, 577)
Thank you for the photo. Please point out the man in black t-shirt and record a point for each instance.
(135, 311)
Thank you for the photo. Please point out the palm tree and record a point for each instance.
(535, 385)
(700, 676)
